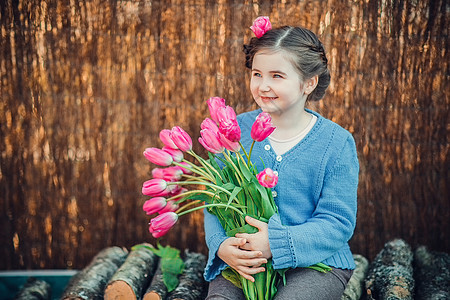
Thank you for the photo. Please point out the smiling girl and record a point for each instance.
(317, 167)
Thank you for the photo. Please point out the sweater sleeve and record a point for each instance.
(332, 223)
(214, 236)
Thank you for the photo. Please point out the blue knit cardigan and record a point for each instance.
(315, 196)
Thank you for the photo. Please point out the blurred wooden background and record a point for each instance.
(86, 86)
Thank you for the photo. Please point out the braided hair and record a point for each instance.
(305, 49)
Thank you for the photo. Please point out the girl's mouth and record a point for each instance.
(268, 98)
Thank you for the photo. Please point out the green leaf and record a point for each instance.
(233, 276)
(199, 196)
(244, 169)
(171, 265)
(236, 190)
(247, 228)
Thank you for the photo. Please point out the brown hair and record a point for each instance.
(307, 52)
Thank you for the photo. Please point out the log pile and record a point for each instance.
(432, 274)
(397, 273)
(390, 275)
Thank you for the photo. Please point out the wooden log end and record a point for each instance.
(152, 295)
(119, 290)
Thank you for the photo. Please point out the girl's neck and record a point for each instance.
(290, 126)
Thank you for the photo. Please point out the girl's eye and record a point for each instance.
(277, 76)
(256, 74)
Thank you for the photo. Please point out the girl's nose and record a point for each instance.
(264, 87)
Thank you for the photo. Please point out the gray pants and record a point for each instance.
(301, 284)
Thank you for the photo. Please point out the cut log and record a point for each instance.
(157, 289)
(192, 286)
(91, 281)
(432, 274)
(390, 275)
(35, 289)
(355, 285)
(134, 276)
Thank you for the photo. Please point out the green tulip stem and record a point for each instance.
(195, 169)
(241, 177)
(245, 152)
(206, 165)
(210, 205)
(190, 193)
(200, 183)
(250, 153)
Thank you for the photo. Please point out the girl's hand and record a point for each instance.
(246, 263)
(257, 241)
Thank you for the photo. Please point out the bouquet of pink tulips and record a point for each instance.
(229, 185)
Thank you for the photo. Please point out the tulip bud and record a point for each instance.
(232, 146)
(214, 104)
(162, 223)
(158, 156)
(176, 154)
(154, 205)
(267, 178)
(228, 124)
(181, 139)
(211, 141)
(155, 187)
(168, 174)
(262, 127)
(164, 136)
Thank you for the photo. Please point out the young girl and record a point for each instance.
(317, 166)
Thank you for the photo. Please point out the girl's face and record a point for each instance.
(275, 84)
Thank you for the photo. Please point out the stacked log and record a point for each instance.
(34, 289)
(90, 283)
(432, 274)
(192, 286)
(355, 286)
(390, 275)
(131, 279)
(157, 290)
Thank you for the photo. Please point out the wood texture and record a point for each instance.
(86, 86)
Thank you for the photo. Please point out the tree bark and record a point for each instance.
(432, 274)
(390, 275)
(192, 286)
(133, 277)
(91, 281)
(34, 289)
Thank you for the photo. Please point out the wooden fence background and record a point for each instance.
(87, 85)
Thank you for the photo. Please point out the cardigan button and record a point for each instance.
(279, 158)
(275, 172)
(267, 147)
(274, 193)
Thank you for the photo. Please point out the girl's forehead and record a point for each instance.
(275, 58)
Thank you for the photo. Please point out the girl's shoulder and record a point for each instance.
(329, 126)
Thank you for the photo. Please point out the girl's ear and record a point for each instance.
(310, 84)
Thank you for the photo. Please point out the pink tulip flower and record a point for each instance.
(168, 174)
(176, 154)
(267, 178)
(232, 146)
(214, 104)
(170, 207)
(185, 170)
(181, 139)
(164, 136)
(158, 156)
(211, 141)
(155, 187)
(162, 223)
(228, 124)
(209, 124)
(260, 26)
(262, 127)
(154, 205)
